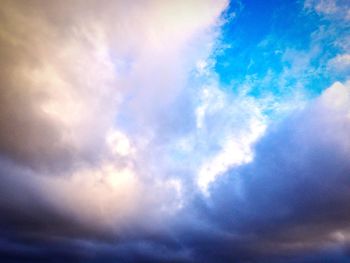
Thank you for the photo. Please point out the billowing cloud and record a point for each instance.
(83, 87)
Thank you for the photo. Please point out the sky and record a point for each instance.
(175, 131)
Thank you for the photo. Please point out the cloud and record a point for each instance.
(336, 9)
(68, 68)
(341, 63)
(84, 87)
(118, 142)
(293, 198)
(289, 203)
(234, 123)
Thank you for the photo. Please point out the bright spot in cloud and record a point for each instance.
(119, 143)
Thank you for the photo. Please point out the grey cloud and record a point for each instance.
(294, 197)
(32, 66)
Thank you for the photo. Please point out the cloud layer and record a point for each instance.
(118, 141)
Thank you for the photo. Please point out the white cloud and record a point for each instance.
(119, 143)
(98, 77)
(340, 63)
(227, 126)
(329, 8)
(236, 150)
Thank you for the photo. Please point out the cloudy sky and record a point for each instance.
(175, 131)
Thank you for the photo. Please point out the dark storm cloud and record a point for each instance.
(26, 213)
(291, 204)
(294, 197)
